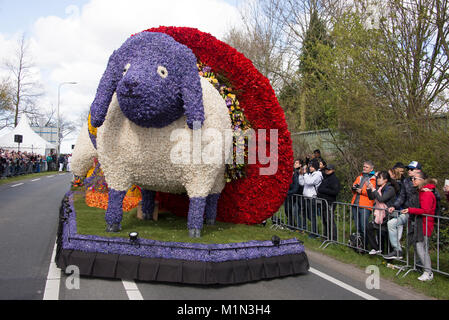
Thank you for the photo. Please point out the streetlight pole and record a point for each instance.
(58, 124)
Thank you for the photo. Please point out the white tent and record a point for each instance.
(31, 141)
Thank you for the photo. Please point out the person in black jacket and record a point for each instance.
(384, 196)
(292, 202)
(408, 197)
(328, 190)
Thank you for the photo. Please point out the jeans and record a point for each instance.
(361, 219)
(291, 207)
(395, 227)
(422, 250)
(311, 212)
(329, 226)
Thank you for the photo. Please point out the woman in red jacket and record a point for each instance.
(424, 217)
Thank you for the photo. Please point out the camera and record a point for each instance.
(355, 187)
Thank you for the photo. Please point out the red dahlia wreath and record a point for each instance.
(255, 197)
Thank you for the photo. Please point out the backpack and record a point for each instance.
(356, 242)
(438, 204)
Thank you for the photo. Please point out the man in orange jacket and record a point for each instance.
(361, 210)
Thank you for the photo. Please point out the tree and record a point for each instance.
(442, 23)
(388, 85)
(25, 86)
(315, 109)
(261, 41)
(6, 104)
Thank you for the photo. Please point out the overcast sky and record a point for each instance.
(71, 40)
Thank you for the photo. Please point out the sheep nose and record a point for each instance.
(130, 84)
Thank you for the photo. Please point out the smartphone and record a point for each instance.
(446, 182)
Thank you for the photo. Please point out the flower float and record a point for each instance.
(256, 197)
(197, 79)
(163, 91)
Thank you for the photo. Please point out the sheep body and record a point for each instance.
(131, 154)
(83, 153)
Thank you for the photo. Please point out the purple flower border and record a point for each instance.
(147, 248)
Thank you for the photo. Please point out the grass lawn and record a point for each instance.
(28, 176)
(90, 221)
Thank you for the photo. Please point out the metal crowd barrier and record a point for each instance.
(337, 223)
(8, 170)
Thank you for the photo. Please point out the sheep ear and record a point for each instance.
(105, 91)
(193, 103)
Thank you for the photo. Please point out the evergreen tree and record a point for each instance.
(308, 97)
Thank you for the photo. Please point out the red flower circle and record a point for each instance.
(256, 197)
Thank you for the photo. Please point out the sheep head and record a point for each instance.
(156, 80)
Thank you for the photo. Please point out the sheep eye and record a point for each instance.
(125, 70)
(162, 71)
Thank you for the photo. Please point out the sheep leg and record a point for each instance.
(148, 204)
(195, 216)
(211, 208)
(114, 213)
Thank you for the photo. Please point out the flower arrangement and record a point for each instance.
(239, 122)
(97, 190)
(254, 198)
(77, 182)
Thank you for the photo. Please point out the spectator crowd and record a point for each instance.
(382, 203)
(14, 163)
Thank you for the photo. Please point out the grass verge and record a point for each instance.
(90, 221)
(27, 176)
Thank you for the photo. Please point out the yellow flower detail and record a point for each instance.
(92, 129)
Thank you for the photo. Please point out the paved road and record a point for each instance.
(28, 224)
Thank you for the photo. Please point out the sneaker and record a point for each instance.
(426, 276)
(395, 254)
(373, 252)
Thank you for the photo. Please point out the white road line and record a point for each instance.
(16, 185)
(53, 279)
(50, 176)
(342, 284)
(131, 290)
(36, 179)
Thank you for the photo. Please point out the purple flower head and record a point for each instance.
(156, 80)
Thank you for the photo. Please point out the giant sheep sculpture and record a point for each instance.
(150, 89)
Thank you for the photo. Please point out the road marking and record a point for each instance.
(342, 284)
(53, 279)
(36, 179)
(131, 290)
(16, 185)
(50, 176)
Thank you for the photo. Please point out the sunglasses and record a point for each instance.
(417, 178)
